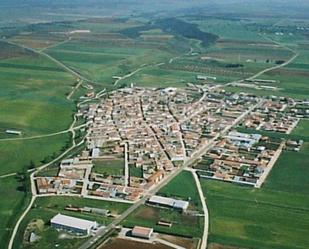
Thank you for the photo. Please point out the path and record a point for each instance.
(205, 209)
(74, 89)
(270, 165)
(44, 135)
(59, 63)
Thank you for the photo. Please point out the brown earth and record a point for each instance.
(128, 244)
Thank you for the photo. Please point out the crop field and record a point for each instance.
(292, 80)
(291, 172)
(302, 128)
(46, 208)
(33, 92)
(256, 218)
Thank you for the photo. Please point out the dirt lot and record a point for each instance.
(184, 242)
(128, 244)
(218, 246)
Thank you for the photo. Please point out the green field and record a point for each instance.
(109, 167)
(17, 155)
(13, 200)
(46, 208)
(302, 128)
(183, 187)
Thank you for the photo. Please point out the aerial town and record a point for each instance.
(152, 132)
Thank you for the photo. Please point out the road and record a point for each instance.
(205, 209)
(165, 181)
(270, 165)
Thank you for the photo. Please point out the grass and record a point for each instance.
(302, 128)
(183, 186)
(109, 167)
(46, 207)
(17, 155)
(256, 218)
(275, 216)
(291, 172)
(13, 201)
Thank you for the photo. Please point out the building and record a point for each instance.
(72, 224)
(13, 132)
(142, 232)
(169, 202)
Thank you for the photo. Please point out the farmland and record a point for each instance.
(151, 50)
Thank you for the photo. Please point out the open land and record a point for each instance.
(136, 139)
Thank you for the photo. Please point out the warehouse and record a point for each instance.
(72, 224)
(142, 232)
(169, 202)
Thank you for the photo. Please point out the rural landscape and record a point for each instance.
(174, 124)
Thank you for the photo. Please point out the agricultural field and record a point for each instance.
(256, 218)
(33, 92)
(45, 208)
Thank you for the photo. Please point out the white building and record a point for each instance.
(72, 224)
(169, 202)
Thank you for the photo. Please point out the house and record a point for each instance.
(142, 232)
(72, 224)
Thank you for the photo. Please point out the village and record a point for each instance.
(146, 134)
(137, 137)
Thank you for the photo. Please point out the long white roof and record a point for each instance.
(70, 221)
(169, 202)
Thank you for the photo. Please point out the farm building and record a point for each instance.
(169, 202)
(142, 232)
(13, 132)
(72, 224)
